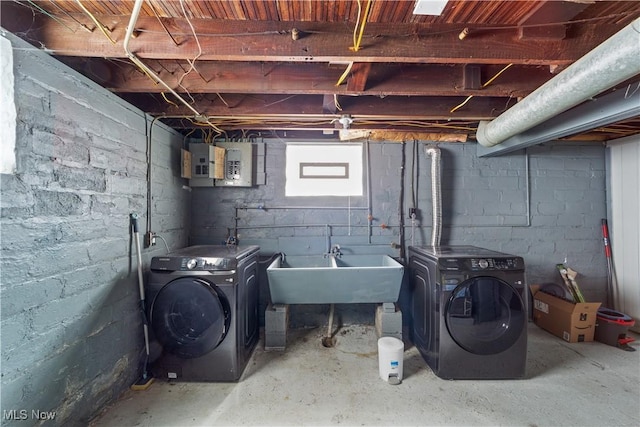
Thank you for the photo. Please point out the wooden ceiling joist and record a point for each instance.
(320, 42)
(534, 26)
(293, 106)
(312, 78)
(252, 71)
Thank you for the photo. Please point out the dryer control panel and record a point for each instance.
(495, 263)
(481, 264)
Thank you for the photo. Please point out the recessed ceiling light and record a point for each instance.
(429, 7)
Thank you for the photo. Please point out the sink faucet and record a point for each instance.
(335, 251)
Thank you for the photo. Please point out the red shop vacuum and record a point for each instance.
(612, 327)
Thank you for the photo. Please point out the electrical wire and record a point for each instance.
(164, 96)
(356, 44)
(44, 12)
(130, 28)
(628, 95)
(496, 76)
(516, 27)
(164, 241)
(336, 102)
(412, 34)
(249, 34)
(322, 121)
(190, 61)
(149, 157)
(101, 27)
(457, 107)
(53, 2)
(275, 122)
(357, 38)
(345, 74)
(164, 27)
(355, 29)
(184, 138)
(222, 99)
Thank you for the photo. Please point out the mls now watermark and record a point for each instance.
(23, 414)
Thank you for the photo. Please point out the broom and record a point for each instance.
(146, 379)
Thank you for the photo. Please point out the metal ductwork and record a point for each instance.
(615, 60)
(436, 194)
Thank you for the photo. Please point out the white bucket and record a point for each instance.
(390, 356)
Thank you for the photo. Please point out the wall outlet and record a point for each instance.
(149, 239)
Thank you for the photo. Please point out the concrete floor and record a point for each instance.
(582, 384)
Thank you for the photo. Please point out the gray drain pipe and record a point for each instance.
(612, 62)
(436, 194)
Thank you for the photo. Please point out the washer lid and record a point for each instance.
(485, 315)
(190, 317)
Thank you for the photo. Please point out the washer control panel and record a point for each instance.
(192, 264)
(206, 264)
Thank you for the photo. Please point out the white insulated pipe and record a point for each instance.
(436, 194)
(612, 62)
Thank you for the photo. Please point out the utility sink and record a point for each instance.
(314, 279)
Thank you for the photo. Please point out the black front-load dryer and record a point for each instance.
(469, 311)
(202, 306)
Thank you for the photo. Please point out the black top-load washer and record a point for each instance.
(202, 304)
(469, 311)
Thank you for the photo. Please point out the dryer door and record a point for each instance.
(190, 317)
(485, 315)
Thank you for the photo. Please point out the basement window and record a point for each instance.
(324, 170)
(7, 109)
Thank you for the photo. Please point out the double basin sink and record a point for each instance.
(314, 279)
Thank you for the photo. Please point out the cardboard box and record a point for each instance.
(573, 322)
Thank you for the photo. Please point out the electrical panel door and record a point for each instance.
(206, 164)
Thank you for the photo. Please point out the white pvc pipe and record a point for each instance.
(615, 60)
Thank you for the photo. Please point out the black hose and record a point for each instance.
(272, 257)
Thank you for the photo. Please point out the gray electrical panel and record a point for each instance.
(238, 164)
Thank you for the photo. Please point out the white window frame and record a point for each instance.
(321, 169)
(7, 109)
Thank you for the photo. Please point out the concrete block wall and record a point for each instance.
(70, 324)
(485, 203)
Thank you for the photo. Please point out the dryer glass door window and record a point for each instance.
(190, 317)
(485, 315)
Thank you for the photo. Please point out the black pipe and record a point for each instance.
(401, 203)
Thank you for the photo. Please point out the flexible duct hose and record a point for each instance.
(436, 194)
